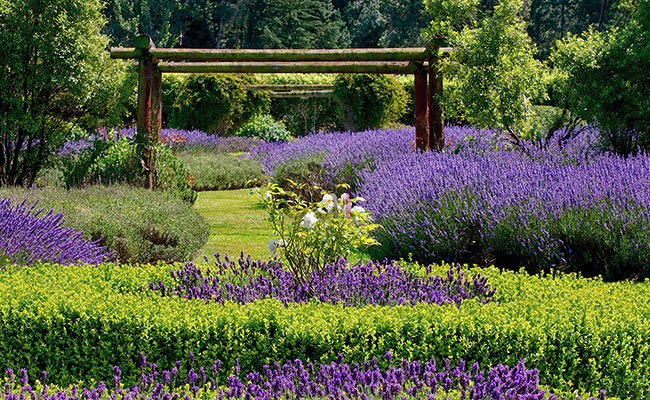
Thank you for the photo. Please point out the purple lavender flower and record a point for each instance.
(28, 234)
(375, 283)
(296, 379)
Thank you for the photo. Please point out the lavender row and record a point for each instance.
(28, 234)
(303, 380)
(375, 283)
(346, 153)
(590, 217)
(176, 138)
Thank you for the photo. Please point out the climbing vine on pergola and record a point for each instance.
(422, 62)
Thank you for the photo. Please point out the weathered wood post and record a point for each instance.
(421, 110)
(436, 119)
(149, 104)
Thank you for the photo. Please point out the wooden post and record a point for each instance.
(421, 113)
(156, 106)
(436, 121)
(145, 94)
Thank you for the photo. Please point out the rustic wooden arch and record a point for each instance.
(422, 62)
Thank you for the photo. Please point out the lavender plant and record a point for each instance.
(177, 139)
(297, 379)
(374, 283)
(28, 234)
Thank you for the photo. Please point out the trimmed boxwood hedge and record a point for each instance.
(77, 322)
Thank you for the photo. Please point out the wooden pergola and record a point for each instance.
(422, 62)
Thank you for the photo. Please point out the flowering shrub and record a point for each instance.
(312, 235)
(297, 379)
(28, 234)
(375, 283)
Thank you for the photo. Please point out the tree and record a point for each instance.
(604, 78)
(163, 20)
(385, 23)
(55, 74)
(551, 20)
(494, 76)
(296, 24)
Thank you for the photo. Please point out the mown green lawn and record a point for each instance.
(236, 223)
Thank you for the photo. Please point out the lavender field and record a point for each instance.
(366, 330)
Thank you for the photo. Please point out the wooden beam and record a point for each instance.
(125, 52)
(301, 93)
(421, 112)
(270, 55)
(278, 88)
(277, 55)
(290, 67)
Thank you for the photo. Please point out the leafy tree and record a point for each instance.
(163, 20)
(55, 74)
(385, 23)
(495, 77)
(604, 78)
(296, 24)
(551, 20)
(369, 100)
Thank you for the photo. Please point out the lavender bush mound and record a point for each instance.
(504, 208)
(375, 283)
(178, 139)
(343, 155)
(28, 235)
(339, 154)
(300, 380)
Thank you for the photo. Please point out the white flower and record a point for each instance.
(357, 209)
(328, 202)
(268, 196)
(309, 220)
(274, 244)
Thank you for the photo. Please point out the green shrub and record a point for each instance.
(213, 171)
(369, 101)
(263, 126)
(139, 225)
(216, 103)
(78, 322)
(117, 161)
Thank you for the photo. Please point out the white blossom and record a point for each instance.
(328, 202)
(274, 244)
(309, 220)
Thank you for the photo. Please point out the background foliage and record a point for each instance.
(56, 75)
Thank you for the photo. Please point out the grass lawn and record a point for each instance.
(236, 223)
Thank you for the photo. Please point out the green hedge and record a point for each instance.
(214, 171)
(140, 225)
(212, 103)
(80, 321)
